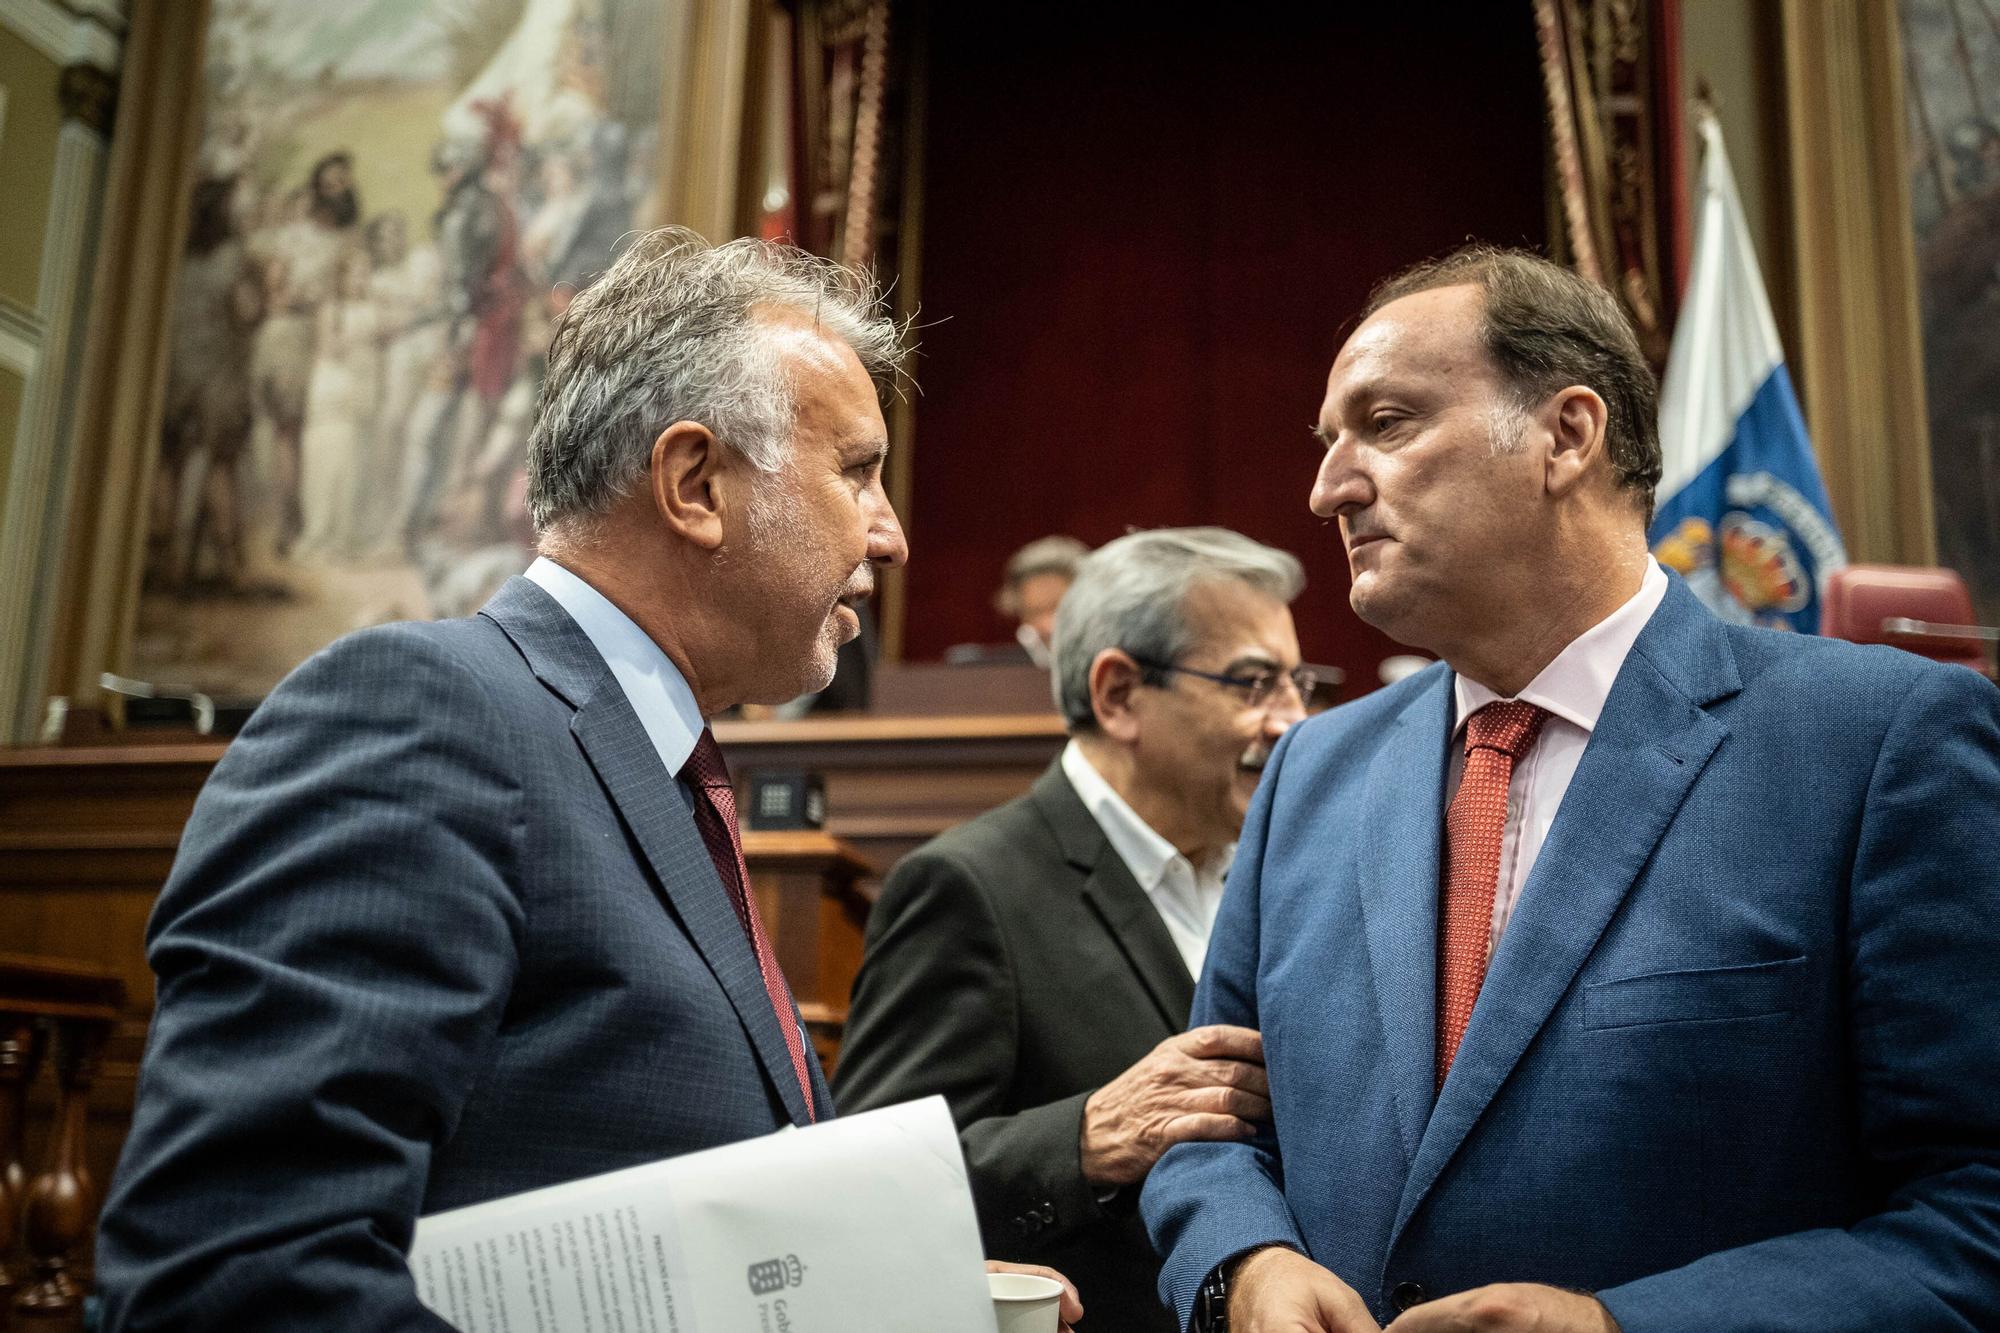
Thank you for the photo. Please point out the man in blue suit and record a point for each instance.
(462, 912)
(1624, 969)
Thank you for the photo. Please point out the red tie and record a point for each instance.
(715, 816)
(1495, 737)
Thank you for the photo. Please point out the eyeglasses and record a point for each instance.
(1259, 688)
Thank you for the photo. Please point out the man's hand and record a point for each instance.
(1204, 1084)
(1509, 1307)
(1281, 1291)
(1070, 1308)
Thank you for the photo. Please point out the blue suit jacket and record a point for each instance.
(441, 929)
(1736, 1063)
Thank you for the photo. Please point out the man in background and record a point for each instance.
(1037, 577)
(1032, 587)
(1625, 969)
(1036, 965)
(463, 911)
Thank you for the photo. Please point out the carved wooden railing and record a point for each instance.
(55, 1014)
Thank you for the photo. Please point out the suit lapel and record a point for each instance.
(560, 654)
(1651, 743)
(630, 768)
(654, 810)
(1130, 917)
(1396, 875)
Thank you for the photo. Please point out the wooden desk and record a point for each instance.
(111, 815)
(88, 833)
(893, 782)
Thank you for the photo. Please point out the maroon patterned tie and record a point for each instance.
(1495, 737)
(715, 816)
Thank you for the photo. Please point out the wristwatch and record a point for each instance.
(1211, 1302)
(1211, 1299)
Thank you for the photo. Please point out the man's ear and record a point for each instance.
(1576, 420)
(684, 473)
(1113, 678)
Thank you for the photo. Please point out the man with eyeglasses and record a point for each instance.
(1036, 965)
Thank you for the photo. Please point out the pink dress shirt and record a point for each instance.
(1573, 688)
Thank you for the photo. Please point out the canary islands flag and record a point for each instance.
(1743, 514)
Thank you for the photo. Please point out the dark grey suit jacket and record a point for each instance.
(441, 929)
(1015, 966)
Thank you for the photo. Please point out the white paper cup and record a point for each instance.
(1024, 1303)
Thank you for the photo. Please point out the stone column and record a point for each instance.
(37, 490)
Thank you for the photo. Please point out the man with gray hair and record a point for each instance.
(1036, 965)
(463, 910)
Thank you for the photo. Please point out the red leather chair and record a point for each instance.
(1926, 611)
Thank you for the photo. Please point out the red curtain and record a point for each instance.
(1144, 238)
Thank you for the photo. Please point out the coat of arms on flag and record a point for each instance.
(1743, 515)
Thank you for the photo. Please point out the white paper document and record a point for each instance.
(862, 1224)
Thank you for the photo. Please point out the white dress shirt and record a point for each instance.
(1185, 896)
(1573, 689)
(653, 685)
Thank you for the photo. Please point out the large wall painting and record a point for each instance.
(394, 200)
(1953, 89)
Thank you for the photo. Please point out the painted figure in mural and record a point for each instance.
(405, 284)
(494, 356)
(606, 217)
(300, 256)
(482, 174)
(333, 201)
(1974, 145)
(1960, 264)
(340, 410)
(196, 523)
(479, 242)
(1952, 101)
(553, 226)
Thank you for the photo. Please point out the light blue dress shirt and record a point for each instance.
(653, 685)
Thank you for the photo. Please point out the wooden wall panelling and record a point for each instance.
(86, 839)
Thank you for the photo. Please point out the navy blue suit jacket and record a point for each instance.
(441, 929)
(1736, 1063)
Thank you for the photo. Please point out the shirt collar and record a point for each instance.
(1145, 853)
(654, 687)
(1575, 685)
